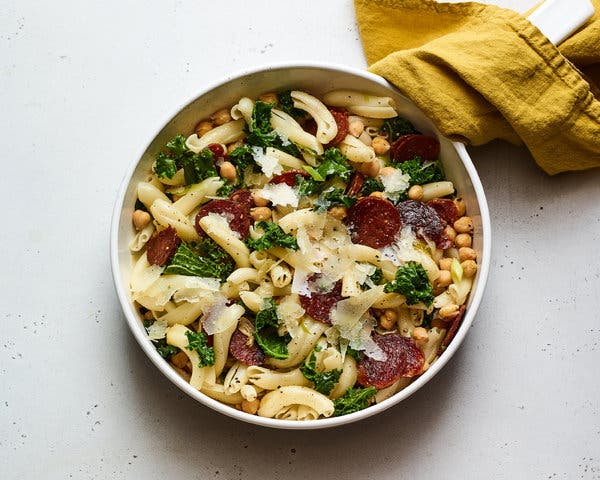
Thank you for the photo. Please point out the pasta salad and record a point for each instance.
(300, 257)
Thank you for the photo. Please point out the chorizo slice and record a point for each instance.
(445, 208)
(289, 177)
(407, 147)
(404, 358)
(162, 246)
(238, 217)
(243, 198)
(373, 222)
(355, 184)
(456, 321)
(423, 220)
(245, 349)
(319, 305)
(341, 119)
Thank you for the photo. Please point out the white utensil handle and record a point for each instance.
(558, 19)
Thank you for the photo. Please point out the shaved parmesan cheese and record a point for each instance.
(300, 283)
(157, 330)
(269, 165)
(280, 194)
(209, 321)
(395, 183)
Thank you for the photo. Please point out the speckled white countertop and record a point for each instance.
(84, 86)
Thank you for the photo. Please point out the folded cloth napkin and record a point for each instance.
(482, 72)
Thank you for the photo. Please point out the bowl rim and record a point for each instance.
(133, 319)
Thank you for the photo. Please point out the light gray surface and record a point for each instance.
(84, 86)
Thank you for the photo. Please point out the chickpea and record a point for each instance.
(386, 171)
(260, 214)
(464, 225)
(179, 359)
(460, 206)
(338, 212)
(469, 268)
(140, 219)
(415, 192)
(388, 319)
(380, 145)
(258, 200)
(232, 146)
(463, 240)
(445, 263)
(444, 279)
(228, 171)
(269, 97)
(421, 335)
(448, 312)
(356, 127)
(203, 127)
(250, 407)
(376, 194)
(221, 117)
(466, 253)
(450, 232)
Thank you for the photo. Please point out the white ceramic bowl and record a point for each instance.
(315, 78)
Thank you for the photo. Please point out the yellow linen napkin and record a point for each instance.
(482, 72)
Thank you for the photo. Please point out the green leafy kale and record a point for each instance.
(273, 235)
(412, 282)
(374, 279)
(286, 102)
(197, 341)
(265, 332)
(165, 166)
(199, 167)
(164, 349)
(333, 164)
(421, 173)
(333, 197)
(397, 126)
(211, 262)
(324, 382)
(261, 134)
(355, 354)
(355, 399)
(371, 185)
(427, 318)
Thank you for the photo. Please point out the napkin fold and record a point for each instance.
(482, 72)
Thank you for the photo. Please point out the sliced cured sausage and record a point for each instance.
(341, 120)
(243, 198)
(245, 349)
(445, 208)
(319, 305)
(423, 219)
(408, 147)
(238, 218)
(373, 222)
(355, 184)
(452, 330)
(289, 177)
(404, 358)
(162, 246)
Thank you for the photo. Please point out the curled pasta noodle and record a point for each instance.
(271, 380)
(183, 314)
(326, 126)
(250, 392)
(141, 238)
(148, 193)
(243, 109)
(284, 159)
(356, 150)
(198, 194)
(279, 401)
(289, 128)
(245, 274)
(430, 349)
(227, 323)
(252, 300)
(166, 215)
(301, 345)
(361, 103)
(347, 378)
(143, 275)
(236, 378)
(437, 190)
(178, 179)
(220, 232)
(281, 276)
(371, 124)
(328, 359)
(390, 300)
(176, 336)
(217, 392)
(455, 294)
(387, 392)
(227, 133)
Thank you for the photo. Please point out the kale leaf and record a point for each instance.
(261, 134)
(412, 282)
(265, 332)
(373, 279)
(397, 126)
(243, 158)
(354, 400)
(333, 197)
(324, 382)
(199, 167)
(371, 185)
(198, 342)
(196, 167)
(165, 166)
(214, 262)
(286, 102)
(421, 173)
(273, 235)
(333, 163)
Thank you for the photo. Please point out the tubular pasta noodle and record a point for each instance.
(227, 321)
(250, 393)
(289, 128)
(326, 126)
(361, 103)
(385, 393)
(183, 314)
(278, 401)
(281, 276)
(227, 133)
(390, 300)
(243, 109)
(217, 392)
(143, 275)
(437, 190)
(176, 336)
(328, 359)
(313, 221)
(370, 123)
(271, 380)
(301, 345)
(225, 238)
(284, 159)
(148, 193)
(177, 180)
(252, 300)
(430, 349)
(455, 294)
(347, 378)
(141, 238)
(245, 274)
(236, 378)
(165, 214)
(365, 138)
(198, 194)
(356, 150)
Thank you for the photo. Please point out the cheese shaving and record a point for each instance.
(269, 165)
(280, 194)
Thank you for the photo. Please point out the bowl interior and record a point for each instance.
(315, 79)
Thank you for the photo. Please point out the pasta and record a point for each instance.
(277, 273)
